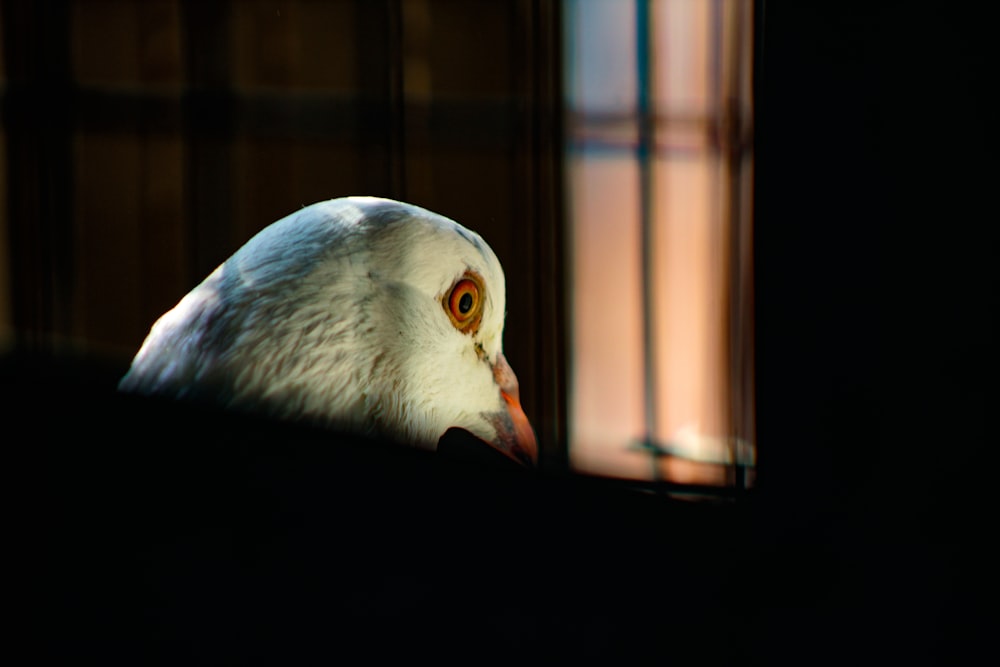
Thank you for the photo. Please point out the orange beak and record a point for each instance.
(515, 437)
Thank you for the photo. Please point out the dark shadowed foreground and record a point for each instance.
(156, 532)
(161, 531)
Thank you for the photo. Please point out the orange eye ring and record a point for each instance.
(464, 303)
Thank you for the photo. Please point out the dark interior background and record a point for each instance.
(203, 539)
(147, 141)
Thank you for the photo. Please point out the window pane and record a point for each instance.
(601, 67)
(681, 51)
(682, 391)
(606, 363)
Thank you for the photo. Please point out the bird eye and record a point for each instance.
(464, 303)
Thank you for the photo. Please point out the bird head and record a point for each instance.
(363, 313)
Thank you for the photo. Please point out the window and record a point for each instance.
(659, 162)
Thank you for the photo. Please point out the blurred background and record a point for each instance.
(602, 147)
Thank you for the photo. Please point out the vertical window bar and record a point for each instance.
(645, 151)
(740, 166)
